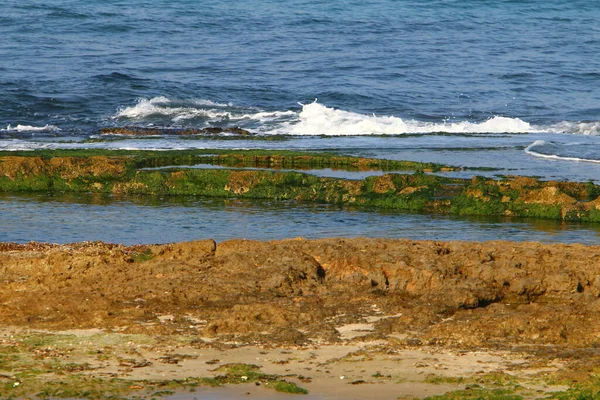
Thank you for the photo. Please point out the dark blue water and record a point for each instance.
(72, 64)
(388, 67)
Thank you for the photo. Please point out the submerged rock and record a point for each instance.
(172, 131)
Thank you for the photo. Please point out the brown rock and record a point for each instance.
(384, 184)
(549, 195)
(493, 294)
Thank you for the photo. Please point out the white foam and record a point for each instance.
(22, 145)
(529, 150)
(163, 106)
(205, 102)
(182, 114)
(144, 108)
(181, 111)
(29, 128)
(581, 128)
(266, 116)
(317, 119)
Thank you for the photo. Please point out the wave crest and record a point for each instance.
(179, 111)
(580, 128)
(551, 151)
(317, 119)
(29, 128)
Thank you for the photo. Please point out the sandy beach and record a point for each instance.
(339, 318)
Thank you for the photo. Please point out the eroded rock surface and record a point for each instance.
(463, 295)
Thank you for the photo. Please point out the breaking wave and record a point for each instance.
(29, 128)
(163, 106)
(560, 151)
(580, 128)
(318, 119)
(209, 112)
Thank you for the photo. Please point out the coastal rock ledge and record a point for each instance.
(467, 295)
(339, 317)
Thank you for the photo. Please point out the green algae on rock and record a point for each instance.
(126, 172)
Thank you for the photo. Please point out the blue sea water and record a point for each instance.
(84, 65)
(506, 84)
(145, 219)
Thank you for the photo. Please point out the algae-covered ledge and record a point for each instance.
(278, 175)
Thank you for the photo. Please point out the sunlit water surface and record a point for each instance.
(134, 220)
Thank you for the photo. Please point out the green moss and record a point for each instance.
(532, 210)
(465, 204)
(592, 190)
(585, 389)
(419, 191)
(75, 385)
(71, 386)
(241, 158)
(577, 394)
(438, 379)
(142, 256)
(246, 373)
(162, 393)
(288, 387)
(240, 369)
(478, 393)
(61, 368)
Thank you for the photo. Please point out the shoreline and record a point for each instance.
(409, 318)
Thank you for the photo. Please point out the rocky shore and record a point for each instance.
(333, 316)
(285, 176)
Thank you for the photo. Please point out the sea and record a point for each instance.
(513, 85)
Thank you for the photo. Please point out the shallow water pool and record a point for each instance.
(69, 218)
